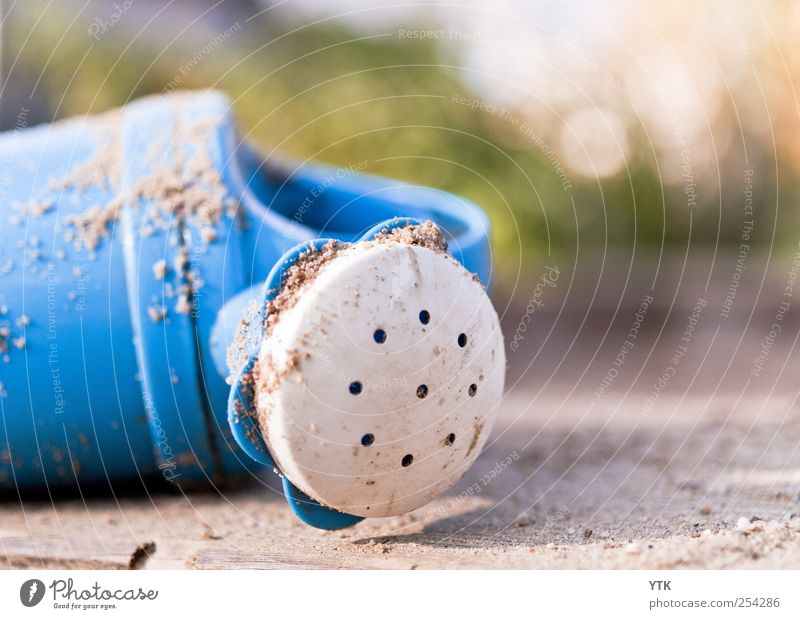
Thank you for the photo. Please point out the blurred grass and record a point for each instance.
(319, 93)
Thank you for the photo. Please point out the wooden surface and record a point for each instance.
(570, 478)
(656, 486)
(84, 552)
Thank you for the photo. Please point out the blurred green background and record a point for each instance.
(313, 83)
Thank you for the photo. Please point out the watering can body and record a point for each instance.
(130, 244)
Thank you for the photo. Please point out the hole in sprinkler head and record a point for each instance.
(451, 438)
(422, 391)
(473, 389)
(367, 440)
(462, 339)
(355, 387)
(424, 317)
(379, 336)
(407, 460)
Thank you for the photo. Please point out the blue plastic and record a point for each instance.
(112, 368)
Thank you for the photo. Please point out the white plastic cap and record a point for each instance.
(379, 386)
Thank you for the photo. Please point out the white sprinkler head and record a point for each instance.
(378, 385)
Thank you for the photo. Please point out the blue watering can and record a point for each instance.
(136, 246)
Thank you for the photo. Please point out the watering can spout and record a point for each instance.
(137, 244)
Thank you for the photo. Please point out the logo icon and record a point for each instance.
(31, 592)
